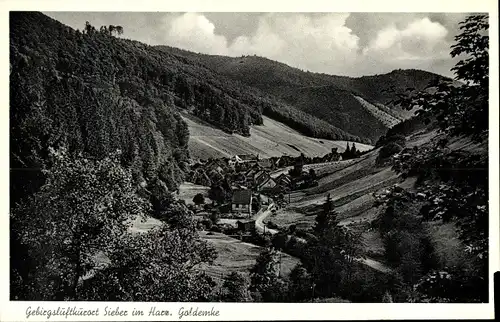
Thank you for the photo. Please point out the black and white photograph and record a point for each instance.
(250, 157)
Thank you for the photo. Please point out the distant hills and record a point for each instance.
(334, 98)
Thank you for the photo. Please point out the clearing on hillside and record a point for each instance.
(188, 190)
(270, 139)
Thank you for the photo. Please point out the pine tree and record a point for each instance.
(354, 151)
(387, 298)
(327, 218)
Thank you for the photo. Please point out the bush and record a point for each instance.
(216, 229)
(207, 223)
(272, 225)
(387, 151)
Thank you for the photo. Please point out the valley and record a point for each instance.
(143, 172)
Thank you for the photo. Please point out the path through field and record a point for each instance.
(265, 212)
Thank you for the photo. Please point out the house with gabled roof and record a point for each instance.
(242, 201)
(283, 180)
(265, 183)
(248, 157)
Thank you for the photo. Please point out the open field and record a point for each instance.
(270, 139)
(346, 192)
(359, 210)
(233, 254)
(237, 256)
(321, 169)
(188, 190)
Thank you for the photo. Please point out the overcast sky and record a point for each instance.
(352, 44)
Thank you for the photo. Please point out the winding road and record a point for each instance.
(264, 212)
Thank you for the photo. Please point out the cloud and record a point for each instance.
(194, 32)
(420, 43)
(314, 43)
(421, 39)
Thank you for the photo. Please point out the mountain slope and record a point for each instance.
(330, 96)
(95, 93)
(272, 138)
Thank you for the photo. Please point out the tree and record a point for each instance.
(387, 298)
(217, 194)
(354, 151)
(312, 174)
(326, 219)
(198, 199)
(300, 288)
(264, 277)
(157, 266)
(215, 216)
(80, 212)
(236, 288)
(296, 171)
(457, 180)
(279, 240)
(119, 30)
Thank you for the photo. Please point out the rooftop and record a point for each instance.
(242, 196)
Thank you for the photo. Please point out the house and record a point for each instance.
(248, 158)
(285, 161)
(258, 175)
(251, 173)
(215, 165)
(266, 184)
(265, 163)
(246, 225)
(264, 181)
(283, 180)
(234, 160)
(242, 201)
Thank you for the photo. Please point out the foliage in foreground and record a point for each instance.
(452, 184)
(71, 240)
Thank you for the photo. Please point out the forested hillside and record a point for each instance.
(321, 94)
(97, 93)
(96, 141)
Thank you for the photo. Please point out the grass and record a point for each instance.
(233, 254)
(286, 217)
(270, 139)
(237, 256)
(384, 117)
(188, 190)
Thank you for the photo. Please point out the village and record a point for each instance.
(243, 185)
